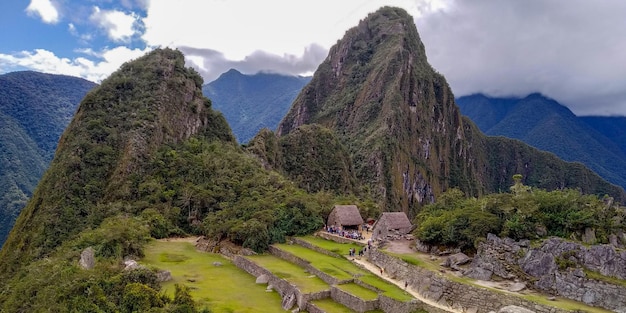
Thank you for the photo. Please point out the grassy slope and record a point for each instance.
(225, 288)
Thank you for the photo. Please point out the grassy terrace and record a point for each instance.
(343, 269)
(359, 291)
(339, 268)
(336, 247)
(290, 272)
(223, 288)
(333, 307)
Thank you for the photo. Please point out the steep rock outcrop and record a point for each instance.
(557, 266)
(395, 114)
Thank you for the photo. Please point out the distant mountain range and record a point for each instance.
(598, 142)
(35, 108)
(252, 102)
(147, 156)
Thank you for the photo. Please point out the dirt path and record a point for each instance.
(375, 270)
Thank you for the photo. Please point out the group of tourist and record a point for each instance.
(352, 234)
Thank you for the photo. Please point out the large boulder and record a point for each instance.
(87, 258)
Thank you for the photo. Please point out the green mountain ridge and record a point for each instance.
(252, 102)
(35, 108)
(547, 125)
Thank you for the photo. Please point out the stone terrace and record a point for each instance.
(346, 283)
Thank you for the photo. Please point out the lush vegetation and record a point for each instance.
(145, 156)
(547, 125)
(253, 102)
(455, 220)
(34, 110)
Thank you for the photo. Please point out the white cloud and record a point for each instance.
(47, 62)
(245, 33)
(571, 51)
(119, 26)
(45, 9)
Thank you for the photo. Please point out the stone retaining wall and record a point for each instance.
(464, 297)
(312, 308)
(390, 305)
(306, 265)
(280, 285)
(353, 302)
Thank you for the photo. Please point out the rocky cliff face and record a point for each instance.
(395, 114)
(595, 275)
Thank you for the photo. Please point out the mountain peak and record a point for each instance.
(378, 93)
(149, 102)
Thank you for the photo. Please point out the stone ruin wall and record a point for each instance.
(353, 302)
(434, 286)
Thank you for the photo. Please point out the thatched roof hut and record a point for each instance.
(345, 216)
(391, 223)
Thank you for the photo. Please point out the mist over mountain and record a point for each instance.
(547, 125)
(252, 102)
(35, 108)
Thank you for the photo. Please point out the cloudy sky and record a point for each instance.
(571, 50)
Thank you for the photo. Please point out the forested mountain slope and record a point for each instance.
(547, 125)
(144, 156)
(252, 102)
(35, 108)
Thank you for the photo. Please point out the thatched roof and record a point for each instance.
(347, 215)
(394, 220)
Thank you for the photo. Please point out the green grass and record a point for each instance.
(418, 259)
(359, 291)
(607, 279)
(223, 288)
(566, 304)
(339, 268)
(336, 247)
(292, 273)
(388, 289)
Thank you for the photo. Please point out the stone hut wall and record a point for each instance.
(434, 286)
(353, 302)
